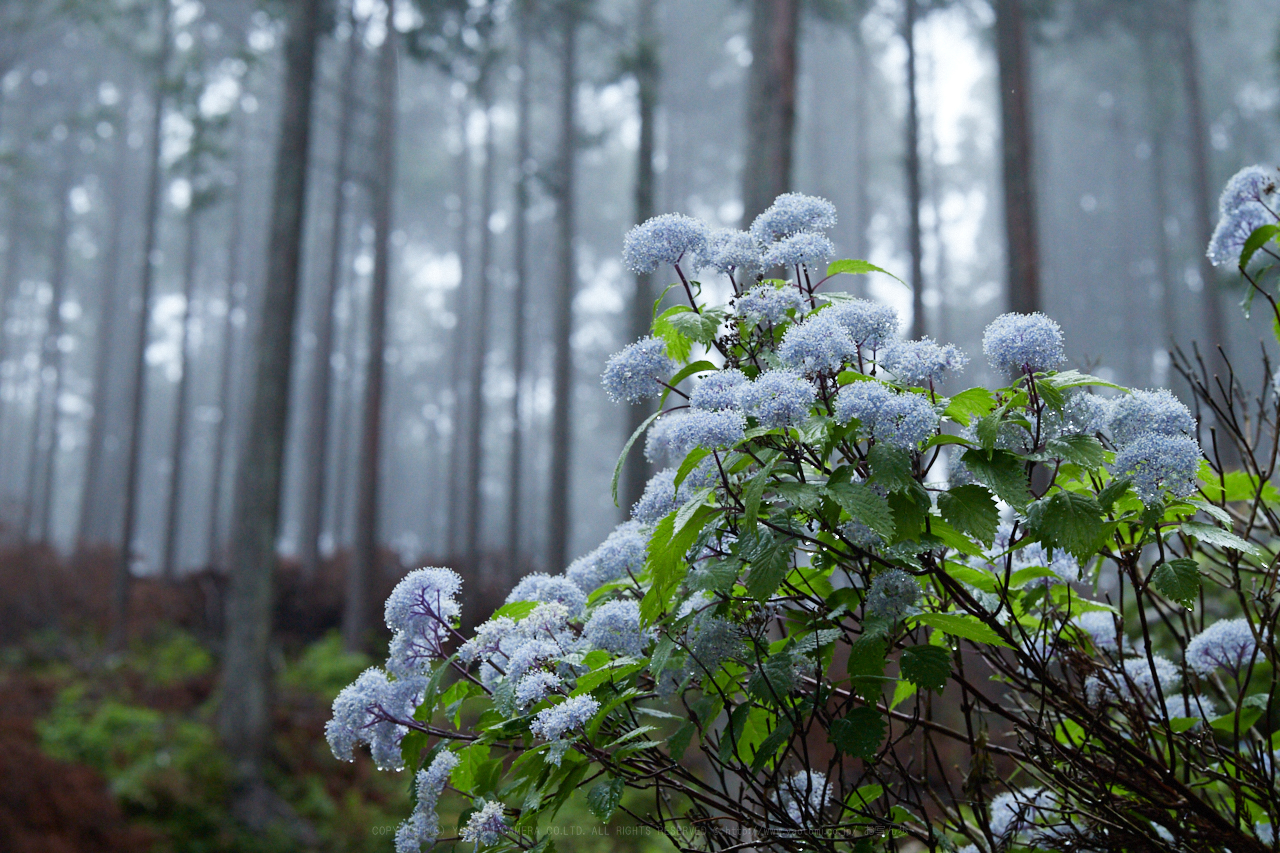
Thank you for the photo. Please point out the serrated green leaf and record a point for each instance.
(1004, 473)
(665, 559)
(962, 625)
(1260, 237)
(910, 511)
(754, 491)
(859, 734)
(690, 462)
(626, 448)
(770, 558)
(855, 267)
(890, 467)
(777, 739)
(1083, 450)
(866, 666)
(805, 496)
(971, 509)
(1070, 521)
(1075, 379)
(603, 798)
(1111, 492)
(679, 741)
(515, 610)
(969, 404)
(1220, 538)
(863, 504)
(926, 666)
(1178, 580)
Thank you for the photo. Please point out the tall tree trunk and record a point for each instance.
(317, 435)
(1021, 238)
(244, 718)
(521, 264)
(178, 443)
(233, 296)
(1215, 329)
(558, 497)
(771, 104)
(88, 524)
(861, 144)
(364, 558)
(137, 406)
(912, 142)
(479, 335)
(455, 507)
(646, 71)
(1157, 120)
(346, 414)
(52, 355)
(12, 278)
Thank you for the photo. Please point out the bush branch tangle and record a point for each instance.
(851, 608)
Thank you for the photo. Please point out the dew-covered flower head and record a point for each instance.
(535, 687)
(1148, 411)
(710, 430)
(1226, 644)
(1233, 230)
(621, 555)
(729, 251)
(900, 420)
(718, 390)
(806, 794)
(554, 723)
(1160, 466)
(1250, 185)
(615, 627)
(800, 250)
(778, 398)
(1100, 625)
(893, 595)
(924, 362)
(420, 612)
(660, 496)
(868, 323)
(1015, 343)
(818, 345)
(658, 446)
(1136, 680)
(768, 303)
(663, 239)
(793, 213)
(366, 711)
(638, 371)
(423, 826)
(542, 587)
(486, 825)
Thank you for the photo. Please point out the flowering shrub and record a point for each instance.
(851, 607)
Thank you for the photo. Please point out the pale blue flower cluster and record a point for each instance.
(423, 826)
(818, 345)
(861, 535)
(621, 555)
(638, 371)
(1017, 343)
(420, 612)
(718, 390)
(807, 794)
(1179, 705)
(711, 430)
(663, 239)
(615, 627)
(1157, 411)
(899, 420)
(806, 250)
(1100, 625)
(486, 825)
(552, 724)
(1226, 644)
(366, 712)
(1065, 567)
(893, 595)
(1136, 680)
(1013, 812)
(542, 587)
(1242, 209)
(868, 323)
(660, 496)
(1160, 466)
(793, 213)
(729, 251)
(711, 641)
(923, 362)
(658, 447)
(768, 303)
(535, 687)
(778, 398)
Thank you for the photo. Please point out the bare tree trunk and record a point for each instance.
(1021, 238)
(558, 497)
(914, 243)
(646, 72)
(771, 104)
(51, 356)
(178, 444)
(12, 278)
(479, 336)
(364, 557)
(1201, 196)
(521, 264)
(137, 406)
(87, 526)
(455, 507)
(861, 145)
(244, 718)
(317, 436)
(1157, 125)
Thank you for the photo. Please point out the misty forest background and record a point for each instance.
(296, 295)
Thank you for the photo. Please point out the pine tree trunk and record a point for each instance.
(771, 104)
(646, 71)
(178, 442)
(244, 718)
(364, 558)
(912, 143)
(558, 497)
(521, 263)
(1157, 119)
(138, 391)
(1021, 238)
(455, 506)
(317, 435)
(861, 144)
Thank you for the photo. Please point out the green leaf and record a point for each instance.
(1178, 580)
(866, 666)
(516, 610)
(926, 666)
(774, 680)
(665, 561)
(679, 345)
(962, 625)
(1075, 379)
(626, 448)
(603, 798)
(679, 741)
(969, 404)
(971, 509)
(1083, 450)
(770, 558)
(1112, 492)
(777, 739)
(1070, 521)
(754, 491)
(1004, 473)
(890, 467)
(1259, 238)
(952, 538)
(803, 496)
(987, 430)
(690, 462)
(854, 267)
(863, 504)
(1211, 535)
(860, 733)
(910, 511)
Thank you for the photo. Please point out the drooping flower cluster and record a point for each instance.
(552, 724)
(1017, 343)
(1226, 644)
(615, 627)
(924, 362)
(661, 497)
(621, 555)
(710, 429)
(421, 612)
(638, 371)
(899, 420)
(367, 710)
(1139, 412)
(486, 826)
(661, 240)
(1247, 203)
(1160, 466)
(423, 826)
(778, 399)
